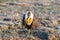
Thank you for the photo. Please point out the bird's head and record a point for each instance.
(28, 18)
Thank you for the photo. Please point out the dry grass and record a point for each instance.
(48, 17)
(54, 37)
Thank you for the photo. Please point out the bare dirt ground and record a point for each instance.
(12, 11)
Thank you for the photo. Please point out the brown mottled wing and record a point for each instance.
(35, 22)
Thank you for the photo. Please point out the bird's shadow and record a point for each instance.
(40, 34)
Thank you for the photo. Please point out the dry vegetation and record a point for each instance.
(11, 12)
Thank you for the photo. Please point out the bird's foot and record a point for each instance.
(28, 35)
(31, 36)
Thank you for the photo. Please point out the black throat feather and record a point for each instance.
(28, 26)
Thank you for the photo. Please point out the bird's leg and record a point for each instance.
(29, 31)
(29, 34)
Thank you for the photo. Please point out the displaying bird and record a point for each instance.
(29, 21)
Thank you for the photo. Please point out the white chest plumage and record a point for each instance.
(30, 19)
(31, 15)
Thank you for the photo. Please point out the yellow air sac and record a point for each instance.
(28, 21)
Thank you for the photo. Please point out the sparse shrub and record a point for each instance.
(4, 27)
(54, 22)
(11, 26)
(19, 25)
